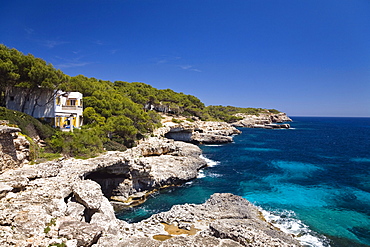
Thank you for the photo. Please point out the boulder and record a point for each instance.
(86, 234)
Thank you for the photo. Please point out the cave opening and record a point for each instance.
(107, 181)
(184, 136)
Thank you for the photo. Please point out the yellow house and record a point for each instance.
(62, 109)
(68, 110)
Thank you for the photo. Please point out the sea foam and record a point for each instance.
(287, 223)
(210, 163)
(201, 174)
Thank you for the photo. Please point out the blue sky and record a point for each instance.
(303, 57)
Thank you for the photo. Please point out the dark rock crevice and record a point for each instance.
(185, 136)
(108, 182)
(88, 213)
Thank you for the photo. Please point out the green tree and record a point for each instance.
(28, 74)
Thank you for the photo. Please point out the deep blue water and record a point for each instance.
(312, 180)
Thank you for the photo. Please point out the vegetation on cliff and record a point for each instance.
(116, 114)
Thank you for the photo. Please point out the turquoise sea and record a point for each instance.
(312, 180)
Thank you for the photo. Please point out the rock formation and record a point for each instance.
(66, 202)
(223, 220)
(58, 195)
(198, 132)
(14, 148)
(263, 120)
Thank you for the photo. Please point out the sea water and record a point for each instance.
(312, 180)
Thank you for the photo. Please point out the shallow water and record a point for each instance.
(312, 180)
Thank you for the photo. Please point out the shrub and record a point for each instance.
(83, 143)
(29, 125)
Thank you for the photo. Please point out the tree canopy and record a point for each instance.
(116, 114)
(26, 72)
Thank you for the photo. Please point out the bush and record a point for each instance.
(274, 111)
(29, 125)
(114, 146)
(175, 120)
(82, 143)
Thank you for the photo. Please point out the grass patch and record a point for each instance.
(44, 157)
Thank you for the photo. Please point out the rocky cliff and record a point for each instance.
(263, 120)
(14, 148)
(198, 132)
(66, 202)
(74, 193)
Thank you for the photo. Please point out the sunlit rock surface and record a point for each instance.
(66, 202)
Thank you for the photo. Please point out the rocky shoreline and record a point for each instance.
(198, 132)
(69, 202)
(263, 120)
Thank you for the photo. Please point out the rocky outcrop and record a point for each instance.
(66, 202)
(43, 202)
(14, 148)
(223, 220)
(198, 132)
(263, 120)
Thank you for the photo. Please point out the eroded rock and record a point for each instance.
(14, 148)
(204, 132)
(56, 203)
(33, 196)
(263, 120)
(223, 220)
(86, 234)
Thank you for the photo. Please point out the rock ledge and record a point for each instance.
(263, 120)
(66, 202)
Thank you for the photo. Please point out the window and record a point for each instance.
(71, 102)
(11, 98)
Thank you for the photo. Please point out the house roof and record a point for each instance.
(74, 95)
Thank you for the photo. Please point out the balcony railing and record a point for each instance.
(71, 107)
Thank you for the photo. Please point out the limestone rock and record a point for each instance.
(247, 232)
(206, 138)
(223, 220)
(198, 132)
(75, 210)
(85, 234)
(263, 120)
(88, 193)
(66, 202)
(14, 148)
(31, 197)
(154, 164)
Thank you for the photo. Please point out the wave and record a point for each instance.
(201, 174)
(214, 175)
(286, 222)
(210, 163)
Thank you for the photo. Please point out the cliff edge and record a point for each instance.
(66, 202)
(263, 120)
(198, 132)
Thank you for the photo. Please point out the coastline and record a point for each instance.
(62, 205)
